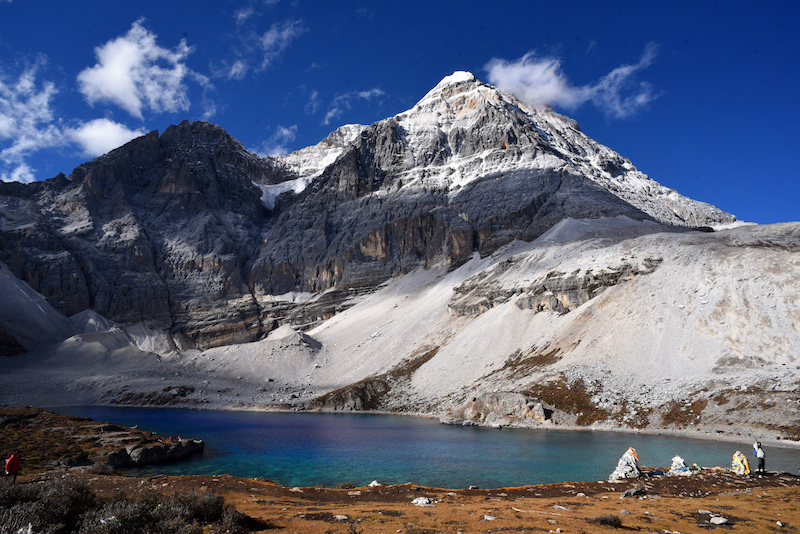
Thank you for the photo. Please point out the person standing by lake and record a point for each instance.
(13, 466)
(758, 452)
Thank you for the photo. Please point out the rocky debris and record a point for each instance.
(562, 292)
(289, 336)
(363, 395)
(553, 291)
(139, 455)
(500, 409)
(166, 396)
(371, 392)
(633, 492)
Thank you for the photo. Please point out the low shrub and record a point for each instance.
(608, 521)
(122, 516)
(68, 505)
(54, 507)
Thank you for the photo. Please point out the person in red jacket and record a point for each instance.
(13, 466)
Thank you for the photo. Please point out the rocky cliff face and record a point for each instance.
(156, 231)
(191, 232)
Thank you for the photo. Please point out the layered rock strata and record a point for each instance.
(190, 232)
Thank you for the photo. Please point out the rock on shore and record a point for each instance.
(142, 454)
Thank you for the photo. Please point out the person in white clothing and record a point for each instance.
(760, 456)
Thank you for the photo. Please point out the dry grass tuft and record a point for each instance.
(574, 398)
(682, 415)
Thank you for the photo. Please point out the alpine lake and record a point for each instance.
(308, 449)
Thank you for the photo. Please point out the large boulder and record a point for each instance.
(502, 409)
(139, 455)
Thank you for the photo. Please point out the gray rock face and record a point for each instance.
(157, 230)
(171, 231)
(361, 396)
(556, 291)
(153, 454)
(503, 409)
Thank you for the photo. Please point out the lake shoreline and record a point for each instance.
(713, 434)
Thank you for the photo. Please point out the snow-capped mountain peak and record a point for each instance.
(465, 129)
(459, 77)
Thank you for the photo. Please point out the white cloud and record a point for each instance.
(278, 143)
(342, 103)
(28, 125)
(275, 40)
(540, 81)
(99, 136)
(242, 15)
(135, 73)
(20, 172)
(258, 51)
(238, 70)
(26, 122)
(312, 106)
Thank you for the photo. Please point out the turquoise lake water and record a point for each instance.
(303, 449)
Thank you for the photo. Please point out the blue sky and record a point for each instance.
(701, 96)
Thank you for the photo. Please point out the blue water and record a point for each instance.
(303, 449)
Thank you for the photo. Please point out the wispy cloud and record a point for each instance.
(275, 40)
(258, 50)
(540, 81)
(342, 103)
(242, 15)
(209, 104)
(237, 71)
(250, 10)
(99, 136)
(27, 123)
(278, 142)
(135, 73)
(313, 104)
